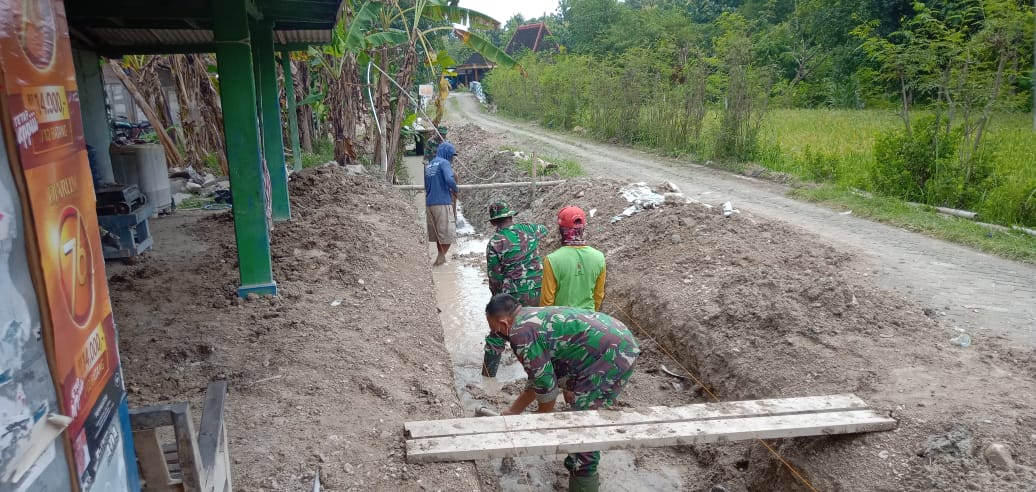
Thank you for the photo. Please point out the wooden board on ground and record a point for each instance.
(599, 418)
(568, 432)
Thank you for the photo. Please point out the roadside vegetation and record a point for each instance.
(920, 102)
(1015, 245)
(323, 151)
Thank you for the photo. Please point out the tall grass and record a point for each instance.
(837, 146)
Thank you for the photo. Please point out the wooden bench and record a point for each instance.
(192, 462)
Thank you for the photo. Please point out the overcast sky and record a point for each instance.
(502, 10)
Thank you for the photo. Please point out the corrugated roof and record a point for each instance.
(117, 27)
(301, 36)
(116, 37)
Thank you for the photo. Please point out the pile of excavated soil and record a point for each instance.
(322, 376)
(484, 157)
(759, 310)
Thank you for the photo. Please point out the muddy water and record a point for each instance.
(462, 292)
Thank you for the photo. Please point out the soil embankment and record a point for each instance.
(322, 376)
(758, 310)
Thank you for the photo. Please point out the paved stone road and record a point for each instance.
(983, 294)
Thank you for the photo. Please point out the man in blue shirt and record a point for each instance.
(440, 192)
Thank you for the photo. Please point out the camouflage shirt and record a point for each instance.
(575, 349)
(513, 259)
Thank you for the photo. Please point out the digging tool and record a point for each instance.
(671, 373)
(316, 481)
(486, 412)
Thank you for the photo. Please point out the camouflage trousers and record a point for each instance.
(495, 345)
(600, 390)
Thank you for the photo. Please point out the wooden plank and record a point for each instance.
(599, 418)
(151, 417)
(187, 448)
(210, 430)
(221, 480)
(562, 441)
(153, 467)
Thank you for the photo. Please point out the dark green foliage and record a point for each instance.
(904, 163)
(699, 77)
(925, 167)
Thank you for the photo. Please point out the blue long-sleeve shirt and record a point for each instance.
(439, 181)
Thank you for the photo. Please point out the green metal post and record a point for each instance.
(293, 112)
(234, 65)
(270, 118)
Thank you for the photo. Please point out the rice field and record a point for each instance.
(837, 146)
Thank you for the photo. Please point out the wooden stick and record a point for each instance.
(485, 186)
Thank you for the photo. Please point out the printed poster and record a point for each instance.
(27, 396)
(41, 106)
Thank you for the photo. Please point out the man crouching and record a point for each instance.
(588, 353)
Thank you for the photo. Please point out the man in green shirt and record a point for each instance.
(514, 267)
(588, 353)
(574, 274)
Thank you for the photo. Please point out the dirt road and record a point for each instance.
(985, 295)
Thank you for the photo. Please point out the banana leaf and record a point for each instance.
(355, 34)
(488, 50)
(438, 10)
(391, 37)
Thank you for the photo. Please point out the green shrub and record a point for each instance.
(905, 162)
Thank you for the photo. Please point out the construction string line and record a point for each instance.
(705, 388)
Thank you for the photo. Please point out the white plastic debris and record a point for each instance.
(640, 197)
(728, 209)
(336, 303)
(592, 212)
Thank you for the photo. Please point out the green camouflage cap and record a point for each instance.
(500, 209)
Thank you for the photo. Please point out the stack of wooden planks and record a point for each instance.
(600, 430)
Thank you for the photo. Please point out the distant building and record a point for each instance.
(534, 37)
(473, 69)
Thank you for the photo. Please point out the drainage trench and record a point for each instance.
(462, 292)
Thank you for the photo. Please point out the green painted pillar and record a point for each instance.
(270, 117)
(293, 112)
(234, 65)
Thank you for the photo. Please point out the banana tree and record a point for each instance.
(388, 37)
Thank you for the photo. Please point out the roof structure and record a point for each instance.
(476, 60)
(126, 27)
(531, 37)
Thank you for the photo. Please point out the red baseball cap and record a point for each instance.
(571, 216)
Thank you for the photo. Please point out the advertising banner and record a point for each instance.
(32, 455)
(41, 106)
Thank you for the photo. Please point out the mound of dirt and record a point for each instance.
(323, 375)
(760, 310)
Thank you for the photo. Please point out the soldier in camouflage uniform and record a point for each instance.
(562, 348)
(431, 146)
(514, 267)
